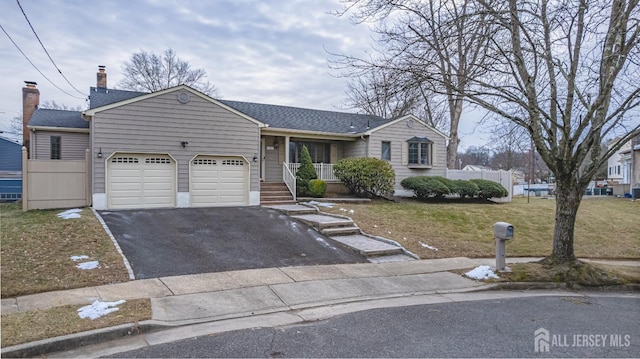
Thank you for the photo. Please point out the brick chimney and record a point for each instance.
(30, 102)
(102, 77)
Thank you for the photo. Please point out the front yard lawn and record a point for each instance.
(606, 227)
(36, 250)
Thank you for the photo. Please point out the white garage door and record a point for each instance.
(141, 181)
(219, 181)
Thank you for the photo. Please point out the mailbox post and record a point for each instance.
(503, 232)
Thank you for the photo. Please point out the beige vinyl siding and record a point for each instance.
(72, 145)
(398, 134)
(159, 124)
(355, 149)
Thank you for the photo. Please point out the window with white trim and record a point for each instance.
(56, 147)
(386, 151)
(419, 151)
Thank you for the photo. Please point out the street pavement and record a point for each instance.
(203, 304)
(495, 327)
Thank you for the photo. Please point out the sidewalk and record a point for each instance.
(250, 297)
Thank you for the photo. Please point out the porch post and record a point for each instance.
(286, 149)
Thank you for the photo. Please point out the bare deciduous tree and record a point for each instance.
(392, 95)
(52, 105)
(150, 72)
(436, 43)
(567, 71)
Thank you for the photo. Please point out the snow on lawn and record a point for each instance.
(77, 258)
(98, 309)
(481, 272)
(71, 213)
(322, 204)
(428, 246)
(88, 265)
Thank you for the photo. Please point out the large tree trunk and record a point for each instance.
(568, 197)
(454, 139)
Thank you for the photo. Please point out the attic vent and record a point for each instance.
(124, 160)
(183, 97)
(233, 163)
(204, 161)
(157, 160)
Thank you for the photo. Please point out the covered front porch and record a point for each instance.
(280, 156)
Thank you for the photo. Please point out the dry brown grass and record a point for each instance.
(587, 274)
(26, 327)
(605, 228)
(37, 246)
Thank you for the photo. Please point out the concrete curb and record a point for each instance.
(573, 286)
(70, 341)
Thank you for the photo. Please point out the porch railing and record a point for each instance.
(323, 170)
(289, 179)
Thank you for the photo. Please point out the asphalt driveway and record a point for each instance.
(168, 242)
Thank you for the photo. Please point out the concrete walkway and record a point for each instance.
(344, 230)
(246, 298)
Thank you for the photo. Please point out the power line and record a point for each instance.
(36, 67)
(45, 49)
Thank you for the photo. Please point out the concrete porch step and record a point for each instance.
(368, 246)
(340, 231)
(320, 221)
(269, 197)
(292, 209)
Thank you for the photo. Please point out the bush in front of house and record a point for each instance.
(306, 172)
(366, 177)
(490, 189)
(465, 188)
(317, 188)
(424, 187)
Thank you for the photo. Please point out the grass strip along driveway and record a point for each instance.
(37, 247)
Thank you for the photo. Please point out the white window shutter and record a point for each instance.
(433, 154)
(405, 154)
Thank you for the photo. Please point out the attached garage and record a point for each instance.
(141, 181)
(219, 181)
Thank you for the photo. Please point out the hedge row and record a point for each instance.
(437, 187)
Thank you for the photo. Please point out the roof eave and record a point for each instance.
(58, 129)
(316, 134)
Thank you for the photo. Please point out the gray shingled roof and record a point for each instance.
(58, 118)
(295, 118)
(283, 117)
(101, 96)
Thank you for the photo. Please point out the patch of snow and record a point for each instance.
(322, 204)
(88, 265)
(352, 211)
(481, 272)
(99, 309)
(343, 210)
(428, 246)
(77, 258)
(71, 213)
(375, 226)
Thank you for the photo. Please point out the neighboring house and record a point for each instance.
(181, 148)
(617, 166)
(10, 170)
(476, 168)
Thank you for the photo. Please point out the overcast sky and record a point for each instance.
(257, 51)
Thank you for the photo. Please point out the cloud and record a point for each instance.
(261, 51)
